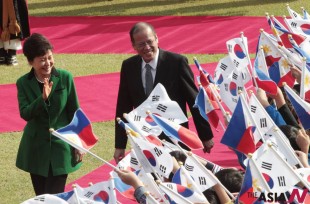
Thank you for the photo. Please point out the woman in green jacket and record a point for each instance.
(47, 99)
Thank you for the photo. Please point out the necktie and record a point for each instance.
(148, 80)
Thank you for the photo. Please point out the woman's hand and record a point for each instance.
(78, 155)
(47, 88)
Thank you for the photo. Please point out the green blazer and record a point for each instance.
(39, 149)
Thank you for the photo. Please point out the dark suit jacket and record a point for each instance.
(38, 147)
(174, 73)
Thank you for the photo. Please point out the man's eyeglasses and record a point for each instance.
(143, 44)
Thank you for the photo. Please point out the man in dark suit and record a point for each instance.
(169, 69)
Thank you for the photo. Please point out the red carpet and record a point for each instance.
(97, 95)
(181, 34)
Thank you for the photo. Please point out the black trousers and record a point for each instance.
(48, 185)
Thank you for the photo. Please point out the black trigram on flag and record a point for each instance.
(158, 152)
(146, 129)
(293, 24)
(162, 107)
(137, 118)
(223, 66)
(189, 167)
(253, 109)
(263, 122)
(235, 76)
(155, 98)
(41, 199)
(202, 180)
(162, 168)
(226, 87)
(169, 186)
(171, 119)
(236, 63)
(267, 166)
(88, 194)
(281, 180)
(134, 161)
(229, 48)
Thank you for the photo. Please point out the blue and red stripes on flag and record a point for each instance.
(178, 132)
(284, 33)
(302, 108)
(205, 107)
(81, 128)
(246, 194)
(238, 134)
(126, 190)
(275, 75)
(205, 77)
(265, 83)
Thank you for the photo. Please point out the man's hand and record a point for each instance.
(208, 145)
(119, 154)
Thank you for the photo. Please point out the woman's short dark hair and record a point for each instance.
(231, 178)
(179, 156)
(35, 46)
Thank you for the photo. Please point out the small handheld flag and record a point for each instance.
(79, 131)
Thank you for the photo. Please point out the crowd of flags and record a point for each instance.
(229, 96)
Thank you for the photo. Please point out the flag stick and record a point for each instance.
(55, 133)
(302, 83)
(76, 194)
(248, 58)
(275, 33)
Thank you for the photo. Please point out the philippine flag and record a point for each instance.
(205, 77)
(265, 83)
(178, 132)
(239, 135)
(279, 74)
(247, 191)
(126, 190)
(205, 107)
(302, 108)
(284, 34)
(269, 45)
(79, 132)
